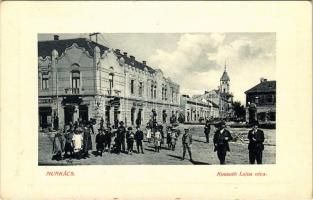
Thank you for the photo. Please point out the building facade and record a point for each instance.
(261, 102)
(79, 79)
(195, 110)
(221, 96)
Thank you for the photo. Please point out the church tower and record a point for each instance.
(224, 82)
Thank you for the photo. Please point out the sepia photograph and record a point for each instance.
(156, 98)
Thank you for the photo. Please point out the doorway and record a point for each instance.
(68, 114)
(83, 113)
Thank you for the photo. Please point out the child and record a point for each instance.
(77, 142)
(58, 146)
(149, 133)
(130, 136)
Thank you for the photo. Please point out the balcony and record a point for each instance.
(74, 91)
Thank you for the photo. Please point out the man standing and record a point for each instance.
(100, 139)
(130, 136)
(187, 142)
(107, 139)
(139, 138)
(256, 146)
(207, 129)
(120, 137)
(220, 140)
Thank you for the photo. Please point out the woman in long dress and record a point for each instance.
(149, 132)
(58, 146)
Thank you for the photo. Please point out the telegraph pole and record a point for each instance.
(94, 34)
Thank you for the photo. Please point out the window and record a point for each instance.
(44, 81)
(75, 82)
(152, 91)
(165, 95)
(132, 86)
(111, 83)
(140, 88)
(155, 92)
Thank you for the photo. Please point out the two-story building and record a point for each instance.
(79, 78)
(261, 102)
(198, 110)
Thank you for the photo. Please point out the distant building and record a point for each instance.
(81, 79)
(195, 110)
(221, 96)
(261, 102)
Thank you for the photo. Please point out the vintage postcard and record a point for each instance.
(156, 100)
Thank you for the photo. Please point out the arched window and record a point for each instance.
(75, 82)
(111, 83)
(140, 89)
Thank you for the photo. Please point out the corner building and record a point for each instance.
(79, 78)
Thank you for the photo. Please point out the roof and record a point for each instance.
(134, 62)
(265, 86)
(45, 47)
(225, 76)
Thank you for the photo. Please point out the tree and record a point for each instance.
(239, 110)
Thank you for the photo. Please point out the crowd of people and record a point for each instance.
(75, 140)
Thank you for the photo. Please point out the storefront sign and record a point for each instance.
(45, 101)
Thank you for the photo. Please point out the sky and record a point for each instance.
(196, 61)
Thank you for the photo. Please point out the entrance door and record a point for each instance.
(116, 117)
(44, 114)
(68, 114)
(83, 112)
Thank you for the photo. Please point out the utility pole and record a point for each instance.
(94, 34)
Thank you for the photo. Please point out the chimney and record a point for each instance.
(144, 62)
(125, 54)
(263, 80)
(117, 51)
(56, 37)
(132, 57)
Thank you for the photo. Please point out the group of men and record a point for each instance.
(222, 136)
(105, 135)
(76, 140)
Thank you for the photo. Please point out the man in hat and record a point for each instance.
(120, 137)
(256, 146)
(187, 142)
(100, 139)
(207, 129)
(139, 138)
(220, 140)
(108, 138)
(173, 137)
